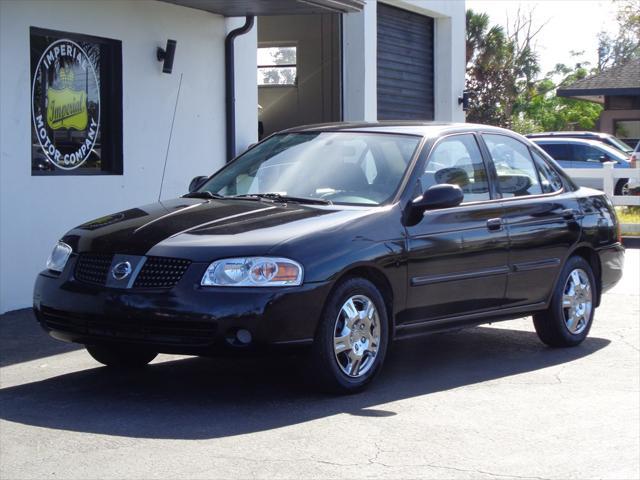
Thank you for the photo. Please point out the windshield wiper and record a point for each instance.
(277, 197)
(203, 194)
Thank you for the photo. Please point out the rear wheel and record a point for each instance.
(351, 341)
(121, 356)
(568, 319)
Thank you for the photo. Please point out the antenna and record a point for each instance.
(166, 156)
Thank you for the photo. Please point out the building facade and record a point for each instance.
(90, 124)
(618, 91)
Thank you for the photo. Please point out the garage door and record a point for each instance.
(405, 65)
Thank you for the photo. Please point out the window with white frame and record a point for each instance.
(277, 65)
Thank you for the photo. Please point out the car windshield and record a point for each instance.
(338, 167)
(619, 144)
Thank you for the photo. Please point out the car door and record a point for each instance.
(542, 220)
(457, 257)
(588, 156)
(560, 152)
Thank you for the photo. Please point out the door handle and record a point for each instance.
(494, 224)
(571, 214)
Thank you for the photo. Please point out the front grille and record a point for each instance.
(157, 272)
(143, 330)
(161, 272)
(93, 267)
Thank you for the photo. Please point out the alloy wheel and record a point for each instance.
(577, 301)
(357, 336)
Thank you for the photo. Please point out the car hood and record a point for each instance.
(190, 228)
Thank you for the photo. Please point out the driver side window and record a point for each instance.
(457, 160)
(587, 153)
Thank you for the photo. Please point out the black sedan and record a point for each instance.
(341, 238)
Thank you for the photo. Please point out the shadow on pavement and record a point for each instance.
(199, 398)
(22, 339)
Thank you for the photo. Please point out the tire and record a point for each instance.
(567, 321)
(349, 365)
(121, 356)
(622, 187)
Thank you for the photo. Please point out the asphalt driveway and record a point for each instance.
(488, 402)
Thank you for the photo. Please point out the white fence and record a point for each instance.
(610, 175)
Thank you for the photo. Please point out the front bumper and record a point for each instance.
(187, 319)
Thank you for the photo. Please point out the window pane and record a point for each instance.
(273, 56)
(76, 85)
(517, 174)
(551, 181)
(586, 153)
(276, 75)
(557, 151)
(457, 160)
(628, 129)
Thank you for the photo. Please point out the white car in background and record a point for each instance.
(582, 153)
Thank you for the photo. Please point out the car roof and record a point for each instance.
(586, 141)
(569, 134)
(581, 141)
(425, 129)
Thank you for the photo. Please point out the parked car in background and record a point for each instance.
(580, 153)
(634, 160)
(605, 138)
(340, 238)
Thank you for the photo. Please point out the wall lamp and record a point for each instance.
(166, 55)
(464, 100)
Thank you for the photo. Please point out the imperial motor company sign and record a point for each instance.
(65, 102)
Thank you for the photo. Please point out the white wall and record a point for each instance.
(360, 74)
(36, 211)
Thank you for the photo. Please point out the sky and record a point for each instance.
(571, 25)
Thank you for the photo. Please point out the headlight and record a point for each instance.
(253, 272)
(58, 258)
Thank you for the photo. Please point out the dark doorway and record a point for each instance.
(299, 70)
(405, 65)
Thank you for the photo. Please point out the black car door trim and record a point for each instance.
(538, 264)
(485, 272)
(420, 327)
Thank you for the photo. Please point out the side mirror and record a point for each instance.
(603, 158)
(196, 183)
(444, 195)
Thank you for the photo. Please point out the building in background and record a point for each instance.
(90, 124)
(618, 90)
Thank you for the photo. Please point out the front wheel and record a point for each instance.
(622, 187)
(121, 356)
(352, 338)
(568, 319)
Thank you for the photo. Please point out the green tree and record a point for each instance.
(545, 111)
(624, 45)
(501, 66)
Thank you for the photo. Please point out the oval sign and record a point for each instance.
(65, 104)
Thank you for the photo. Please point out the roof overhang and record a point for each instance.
(240, 8)
(596, 94)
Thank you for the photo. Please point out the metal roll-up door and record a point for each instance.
(405, 65)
